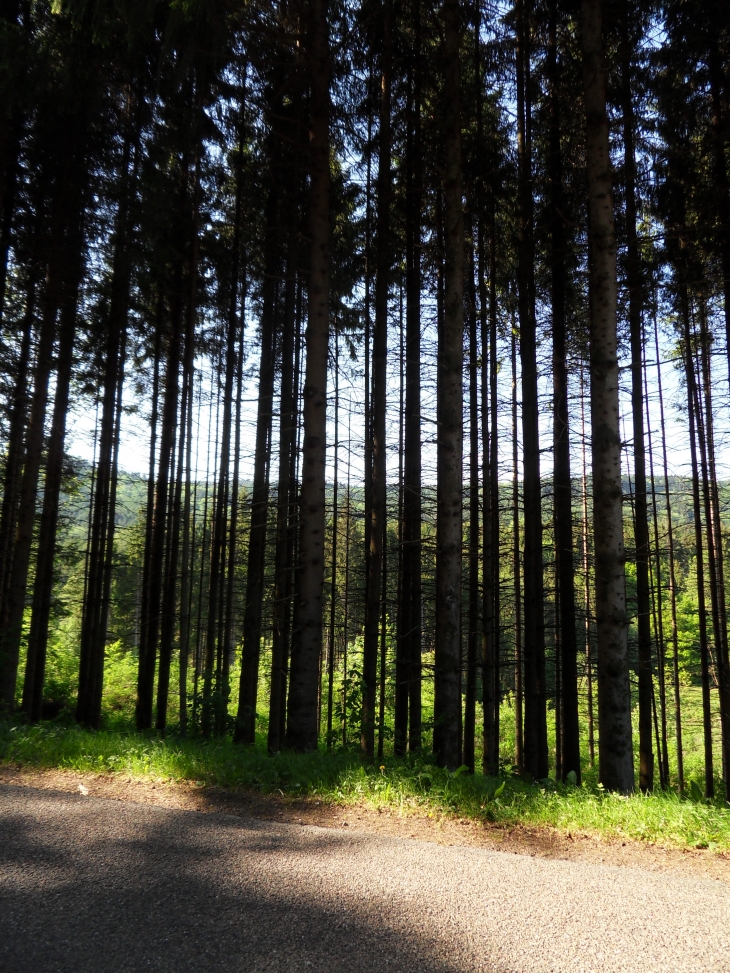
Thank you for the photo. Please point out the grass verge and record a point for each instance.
(411, 786)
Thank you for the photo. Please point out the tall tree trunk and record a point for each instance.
(284, 501)
(307, 644)
(187, 562)
(490, 568)
(672, 572)
(103, 516)
(201, 665)
(474, 635)
(562, 484)
(699, 543)
(13, 472)
(245, 731)
(333, 579)
(721, 193)
(586, 579)
(15, 37)
(66, 213)
(614, 692)
(643, 606)
(93, 626)
(714, 502)
(657, 601)
(151, 618)
(535, 694)
(447, 668)
(517, 575)
(715, 572)
(345, 627)
(169, 616)
(43, 583)
(408, 685)
(377, 484)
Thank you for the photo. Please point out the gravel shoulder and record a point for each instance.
(96, 884)
(536, 842)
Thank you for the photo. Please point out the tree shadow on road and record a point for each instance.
(96, 886)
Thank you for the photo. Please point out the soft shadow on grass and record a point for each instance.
(413, 786)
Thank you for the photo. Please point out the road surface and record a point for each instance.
(89, 884)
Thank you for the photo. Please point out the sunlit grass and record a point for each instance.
(402, 784)
(341, 777)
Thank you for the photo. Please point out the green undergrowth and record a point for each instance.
(410, 786)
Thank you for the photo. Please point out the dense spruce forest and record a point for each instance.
(364, 377)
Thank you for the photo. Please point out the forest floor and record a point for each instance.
(90, 884)
(444, 829)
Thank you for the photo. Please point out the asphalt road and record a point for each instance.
(88, 884)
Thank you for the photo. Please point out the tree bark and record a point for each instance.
(474, 634)
(614, 694)
(284, 500)
(95, 607)
(151, 618)
(307, 644)
(535, 693)
(377, 484)
(43, 584)
(562, 483)
(408, 678)
(643, 605)
(447, 674)
(66, 214)
(699, 543)
(245, 731)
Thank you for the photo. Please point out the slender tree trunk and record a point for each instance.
(245, 731)
(699, 546)
(586, 580)
(149, 513)
(200, 665)
(93, 625)
(66, 214)
(187, 561)
(490, 438)
(614, 694)
(345, 632)
(307, 644)
(721, 193)
(447, 675)
(714, 537)
(535, 692)
(333, 579)
(108, 565)
(646, 693)
(383, 656)
(169, 616)
(657, 602)
(17, 41)
(12, 474)
(474, 635)
(284, 501)
(517, 574)
(100, 555)
(562, 483)
(228, 631)
(377, 484)
(43, 584)
(151, 619)
(672, 571)
(408, 686)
